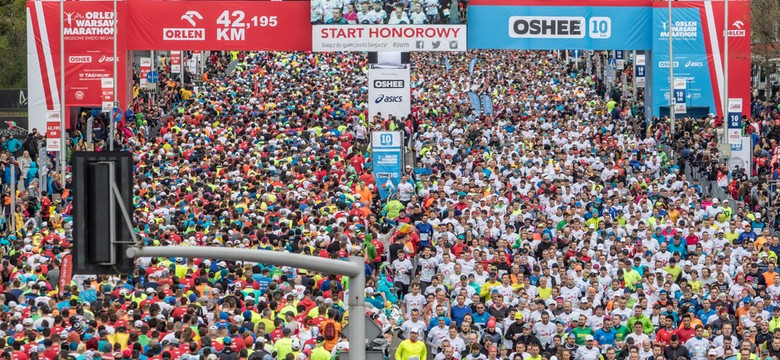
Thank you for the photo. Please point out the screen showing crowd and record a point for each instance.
(420, 12)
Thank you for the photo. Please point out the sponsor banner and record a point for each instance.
(741, 154)
(88, 34)
(680, 90)
(219, 25)
(529, 26)
(640, 70)
(697, 30)
(66, 272)
(53, 131)
(389, 92)
(175, 62)
(734, 120)
(387, 161)
(389, 38)
(144, 67)
(107, 97)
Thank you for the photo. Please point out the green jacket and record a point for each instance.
(647, 325)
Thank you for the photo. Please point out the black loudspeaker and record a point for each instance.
(388, 58)
(100, 232)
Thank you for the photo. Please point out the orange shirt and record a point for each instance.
(329, 344)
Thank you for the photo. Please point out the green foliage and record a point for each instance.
(13, 44)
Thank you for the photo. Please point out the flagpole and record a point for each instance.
(63, 148)
(672, 116)
(112, 127)
(725, 90)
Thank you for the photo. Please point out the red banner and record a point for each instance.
(219, 25)
(66, 272)
(88, 33)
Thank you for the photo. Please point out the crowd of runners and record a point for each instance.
(559, 228)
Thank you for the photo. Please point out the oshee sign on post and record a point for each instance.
(387, 161)
(389, 92)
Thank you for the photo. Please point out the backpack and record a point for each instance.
(329, 332)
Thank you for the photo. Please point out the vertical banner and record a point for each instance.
(386, 158)
(697, 29)
(175, 62)
(389, 92)
(639, 70)
(107, 97)
(66, 272)
(735, 121)
(680, 94)
(53, 131)
(144, 67)
(88, 33)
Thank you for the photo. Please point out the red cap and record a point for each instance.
(127, 353)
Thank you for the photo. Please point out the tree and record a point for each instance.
(765, 34)
(13, 44)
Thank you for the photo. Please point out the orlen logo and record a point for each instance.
(193, 33)
(694, 64)
(739, 32)
(104, 58)
(388, 84)
(388, 99)
(85, 59)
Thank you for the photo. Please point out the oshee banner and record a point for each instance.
(603, 25)
(697, 31)
(88, 32)
(389, 38)
(389, 92)
(387, 161)
(224, 25)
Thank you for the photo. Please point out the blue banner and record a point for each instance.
(559, 27)
(471, 66)
(474, 99)
(690, 59)
(487, 104)
(387, 161)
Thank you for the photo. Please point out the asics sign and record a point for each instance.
(388, 99)
(389, 92)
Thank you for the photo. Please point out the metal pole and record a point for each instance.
(671, 75)
(90, 122)
(112, 126)
(357, 311)
(633, 89)
(181, 66)
(63, 145)
(354, 269)
(313, 263)
(725, 90)
(42, 164)
(13, 196)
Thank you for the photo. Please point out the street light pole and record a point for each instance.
(112, 127)
(671, 74)
(63, 146)
(725, 90)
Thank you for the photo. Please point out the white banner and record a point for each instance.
(389, 38)
(389, 92)
(741, 154)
